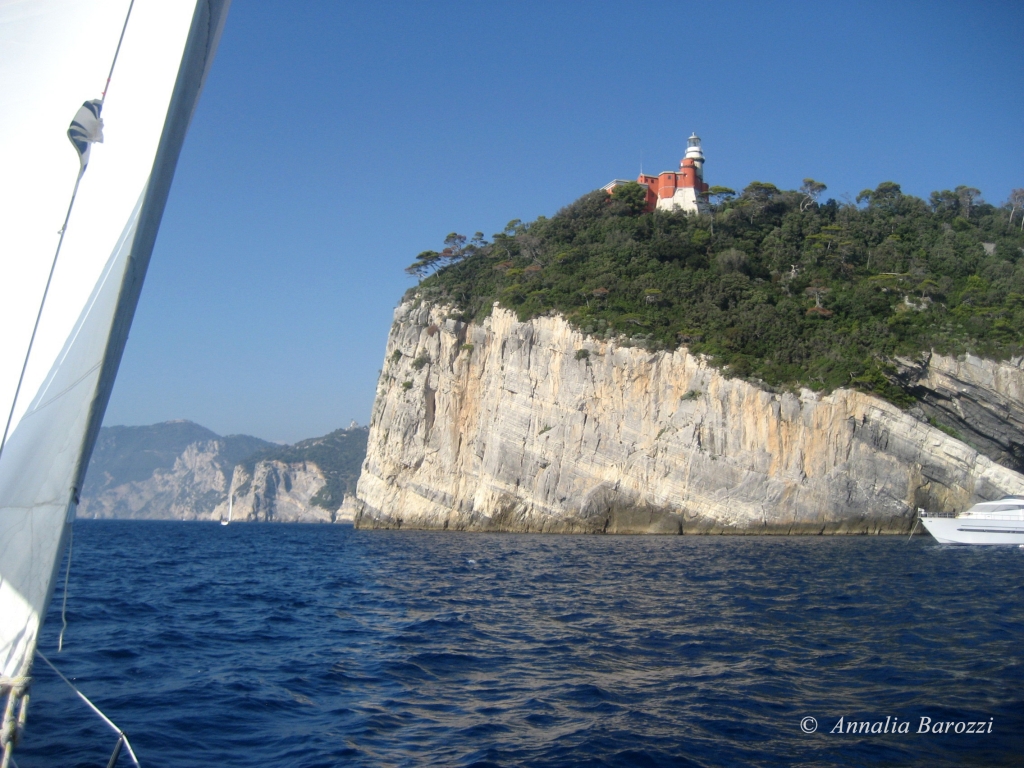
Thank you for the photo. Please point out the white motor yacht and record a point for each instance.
(989, 522)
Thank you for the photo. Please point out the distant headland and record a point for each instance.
(179, 470)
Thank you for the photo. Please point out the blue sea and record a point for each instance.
(305, 645)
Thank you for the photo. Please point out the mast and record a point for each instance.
(55, 59)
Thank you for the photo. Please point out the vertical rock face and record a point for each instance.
(277, 492)
(532, 426)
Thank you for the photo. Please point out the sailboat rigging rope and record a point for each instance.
(122, 736)
(63, 230)
(117, 51)
(64, 603)
(14, 715)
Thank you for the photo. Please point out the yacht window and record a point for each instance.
(1004, 508)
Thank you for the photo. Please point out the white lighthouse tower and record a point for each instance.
(689, 182)
(695, 153)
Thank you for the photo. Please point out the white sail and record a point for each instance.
(56, 56)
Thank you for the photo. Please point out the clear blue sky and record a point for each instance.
(335, 141)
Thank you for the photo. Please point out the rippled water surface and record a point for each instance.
(291, 645)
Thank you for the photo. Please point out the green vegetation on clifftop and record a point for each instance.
(770, 284)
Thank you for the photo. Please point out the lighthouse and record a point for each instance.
(680, 190)
(694, 153)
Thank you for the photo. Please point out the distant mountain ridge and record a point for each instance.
(132, 454)
(179, 470)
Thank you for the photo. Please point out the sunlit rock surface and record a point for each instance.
(532, 426)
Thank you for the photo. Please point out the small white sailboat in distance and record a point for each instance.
(231, 498)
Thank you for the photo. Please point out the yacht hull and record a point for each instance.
(960, 530)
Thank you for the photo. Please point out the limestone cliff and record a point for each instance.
(505, 425)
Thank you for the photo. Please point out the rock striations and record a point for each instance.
(980, 399)
(532, 426)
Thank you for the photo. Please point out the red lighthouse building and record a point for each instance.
(675, 190)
